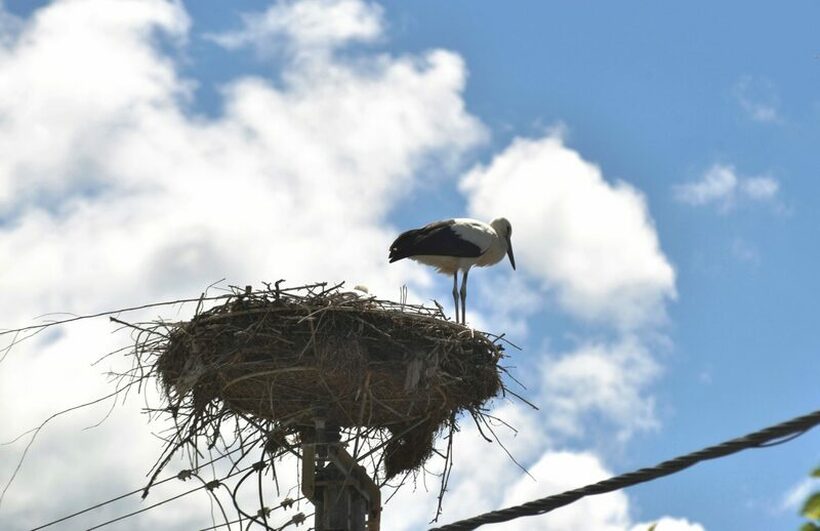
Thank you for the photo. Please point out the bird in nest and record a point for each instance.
(454, 245)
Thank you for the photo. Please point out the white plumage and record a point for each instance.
(455, 245)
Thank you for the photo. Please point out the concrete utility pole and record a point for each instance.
(345, 497)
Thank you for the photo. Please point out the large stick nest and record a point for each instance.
(368, 363)
(282, 355)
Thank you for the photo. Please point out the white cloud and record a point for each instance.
(63, 91)
(556, 472)
(758, 98)
(109, 164)
(669, 524)
(760, 188)
(591, 241)
(719, 183)
(504, 301)
(723, 186)
(601, 380)
(306, 26)
(111, 194)
(794, 499)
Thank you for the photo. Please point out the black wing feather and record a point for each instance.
(437, 239)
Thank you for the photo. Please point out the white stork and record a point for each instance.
(455, 245)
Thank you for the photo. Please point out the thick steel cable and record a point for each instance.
(758, 439)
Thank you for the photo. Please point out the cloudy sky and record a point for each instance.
(658, 166)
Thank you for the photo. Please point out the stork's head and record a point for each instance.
(504, 230)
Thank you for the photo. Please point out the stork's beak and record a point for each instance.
(510, 252)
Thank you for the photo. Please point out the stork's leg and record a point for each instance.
(464, 297)
(455, 292)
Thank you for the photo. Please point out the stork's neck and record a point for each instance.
(494, 254)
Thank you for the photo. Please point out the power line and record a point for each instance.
(759, 439)
(277, 291)
(144, 509)
(127, 494)
(210, 486)
(295, 519)
(110, 312)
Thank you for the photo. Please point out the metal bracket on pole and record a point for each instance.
(339, 488)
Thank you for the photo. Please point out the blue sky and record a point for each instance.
(709, 112)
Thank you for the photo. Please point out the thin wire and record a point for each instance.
(112, 500)
(144, 509)
(36, 431)
(163, 502)
(152, 305)
(284, 504)
(299, 520)
(111, 312)
(783, 432)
